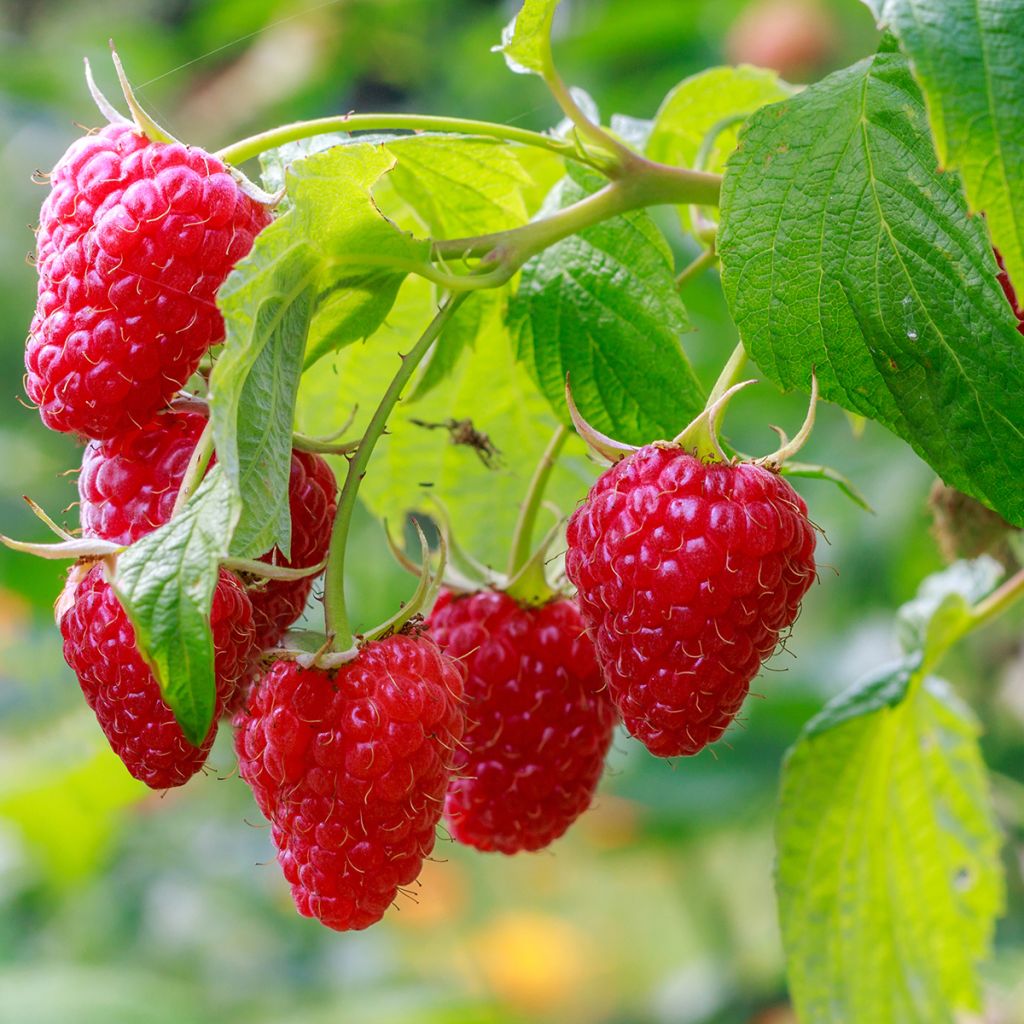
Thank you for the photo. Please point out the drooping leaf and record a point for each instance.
(845, 251)
(704, 103)
(330, 268)
(888, 876)
(525, 41)
(940, 612)
(165, 582)
(413, 462)
(603, 307)
(968, 57)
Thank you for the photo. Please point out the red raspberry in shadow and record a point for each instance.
(350, 767)
(539, 719)
(100, 648)
(687, 573)
(128, 486)
(134, 240)
(312, 499)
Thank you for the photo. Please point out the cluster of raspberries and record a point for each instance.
(496, 714)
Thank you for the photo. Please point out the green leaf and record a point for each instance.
(940, 613)
(888, 878)
(969, 59)
(330, 267)
(703, 103)
(412, 463)
(526, 39)
(275, 163)
(602, 306)
(845, 251)
(474, 317)
(165, 582)
(460, 186)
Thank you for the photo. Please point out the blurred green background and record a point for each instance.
(120, 906)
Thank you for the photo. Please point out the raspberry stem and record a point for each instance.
(335, 613)
(246, 149)
(196, 468)
(523, 535)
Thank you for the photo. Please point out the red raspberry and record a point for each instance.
(99, 645)
(134, 240)
(1008, 291)
(312, 498)
(350, 767)
(687, 573)
(129, 483)
(539, 719)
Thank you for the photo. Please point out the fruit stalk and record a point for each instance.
(335, 613)
(521, 538)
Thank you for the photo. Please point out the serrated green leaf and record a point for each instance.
(414, 462)
(526, 39)
(701, 103)
(330, 268)
(603, 307)
(941, 611)
(845, 251)
(165, 582)
(968, 57)
(889, 877)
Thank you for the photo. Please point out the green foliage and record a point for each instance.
(329, 267)
(460, 186)
(888, 849)
(966, 56)
(165, 581)
(525, 41)
(602, 307)
(941, 612)
(414, 463)
(845, 251)
(711, 102)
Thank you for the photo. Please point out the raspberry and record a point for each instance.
(350, 767)
(687, 573)
(128, 485)
(312, 498)
(1008, 291)
(99, 645)
(134, 240)
(539, 719)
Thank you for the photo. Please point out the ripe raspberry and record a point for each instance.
(99, 645)
(350, 767)
(539, 719)
(312, 498)
(134, 240)
(128, 485)
(687, 572)
(1008, 291)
